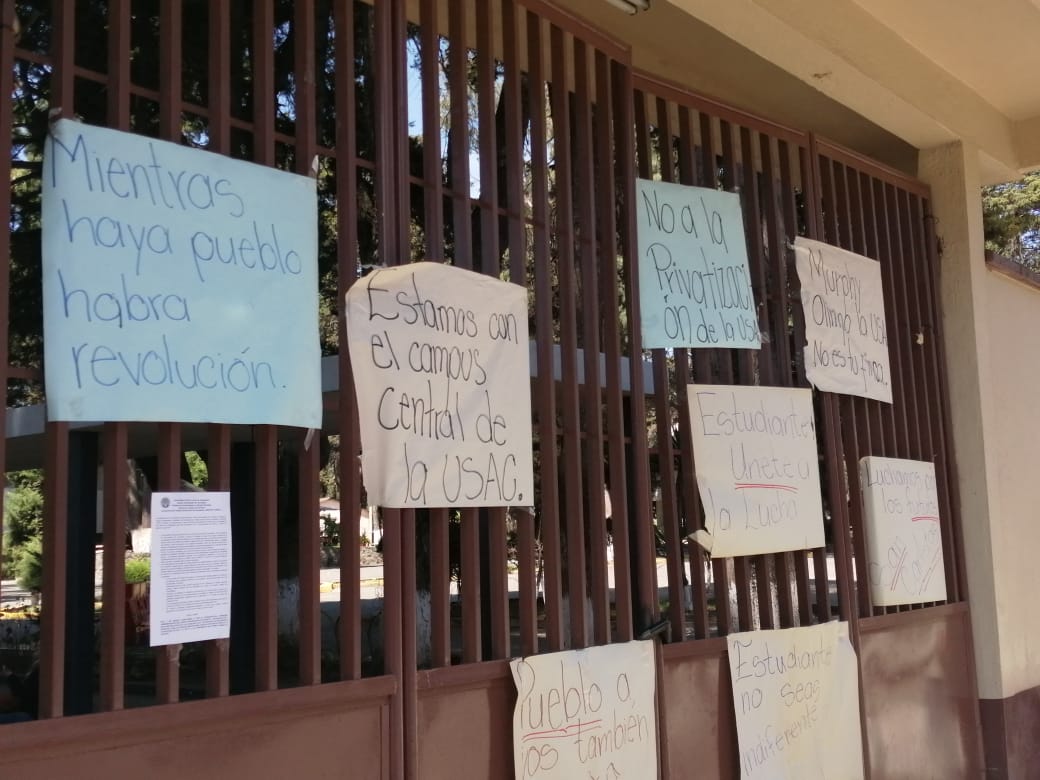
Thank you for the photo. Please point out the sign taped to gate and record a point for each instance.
(757, 469)
(694, 283)
(586, 713)
(441, 362)
(904, 539)
(846, 349)
(796, 700)
(178, 285)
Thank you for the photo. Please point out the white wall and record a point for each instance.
(1013, 334)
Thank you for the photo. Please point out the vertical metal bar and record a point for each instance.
(266, 588)
(608, 258)
(55, 539)
(170, 36)
(901, 432)
(592, 391)
(669, 518)
(113, 617)
(440, 587)
(704, 373)
(305, 105)
(219, 130)
(545, 389)
(569, 392)
(310, 608)
(689, 498)
(7, 46)
(431, 118)
(515, 207)
(346, 265)
(167, 657)
(458, 133)
(643, 545)
(218, 469)
(392, 628)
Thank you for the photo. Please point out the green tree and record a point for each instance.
(1011, 218)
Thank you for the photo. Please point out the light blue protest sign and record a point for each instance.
(694, 285)
(178, 285)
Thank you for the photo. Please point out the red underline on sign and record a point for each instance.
(763, 486)
(930, 518)
(561, 733)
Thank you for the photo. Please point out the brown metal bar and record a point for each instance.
(113, 614)
(440, 588)
(560, 108)
(430, 75)
(647, 607)
(218, 469)
(689, 497)
(265, 437)
(517, 240)
(219, 79)
(346, 264)
(592, 390)
(704, 372)
(55, 540)
(545, 391)
(170, 35)
(615, 415)
(393, 657)
(458, 133)
(471, 593)
(669, 518)
(167, 657)
(310, 544)
(7, 53)
(305, 105)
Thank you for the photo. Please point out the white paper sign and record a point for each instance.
(586, 714)
(846, 348)
(178, 284)
(694, 284)
(191, 567)
(904, 543)
(441, 365)
(757, 471)
(796, 697)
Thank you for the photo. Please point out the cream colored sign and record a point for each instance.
(904, 543)
(586, 714)
(796, 698)
(846, 348)
(757, 469)
(441, 366)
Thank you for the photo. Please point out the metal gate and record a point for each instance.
(502, 136)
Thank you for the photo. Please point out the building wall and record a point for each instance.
(1013, 335)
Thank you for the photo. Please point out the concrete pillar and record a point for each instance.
(975, 370)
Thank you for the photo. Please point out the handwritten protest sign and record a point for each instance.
(177, 284)
(796, 696)
(904, 544)
(694, 285)
(846, 347)
(757, 472)
(441, 366)
(586, 714)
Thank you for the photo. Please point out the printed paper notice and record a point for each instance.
(694, 284)
(191, 567)
(904, 543)
(846, 348)
(757, 470)
(441, 363)
(178, 285)
(796, 696)
(586, 714)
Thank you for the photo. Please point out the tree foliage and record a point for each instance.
(1011, 219)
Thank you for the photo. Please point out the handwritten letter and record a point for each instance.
(178, 284)
(757, 470)
(441, 363)
(846, 348)
(586, 714)
(694, 285)
(904, 545)
(796, 696)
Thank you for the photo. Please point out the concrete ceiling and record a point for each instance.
(885, 77)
